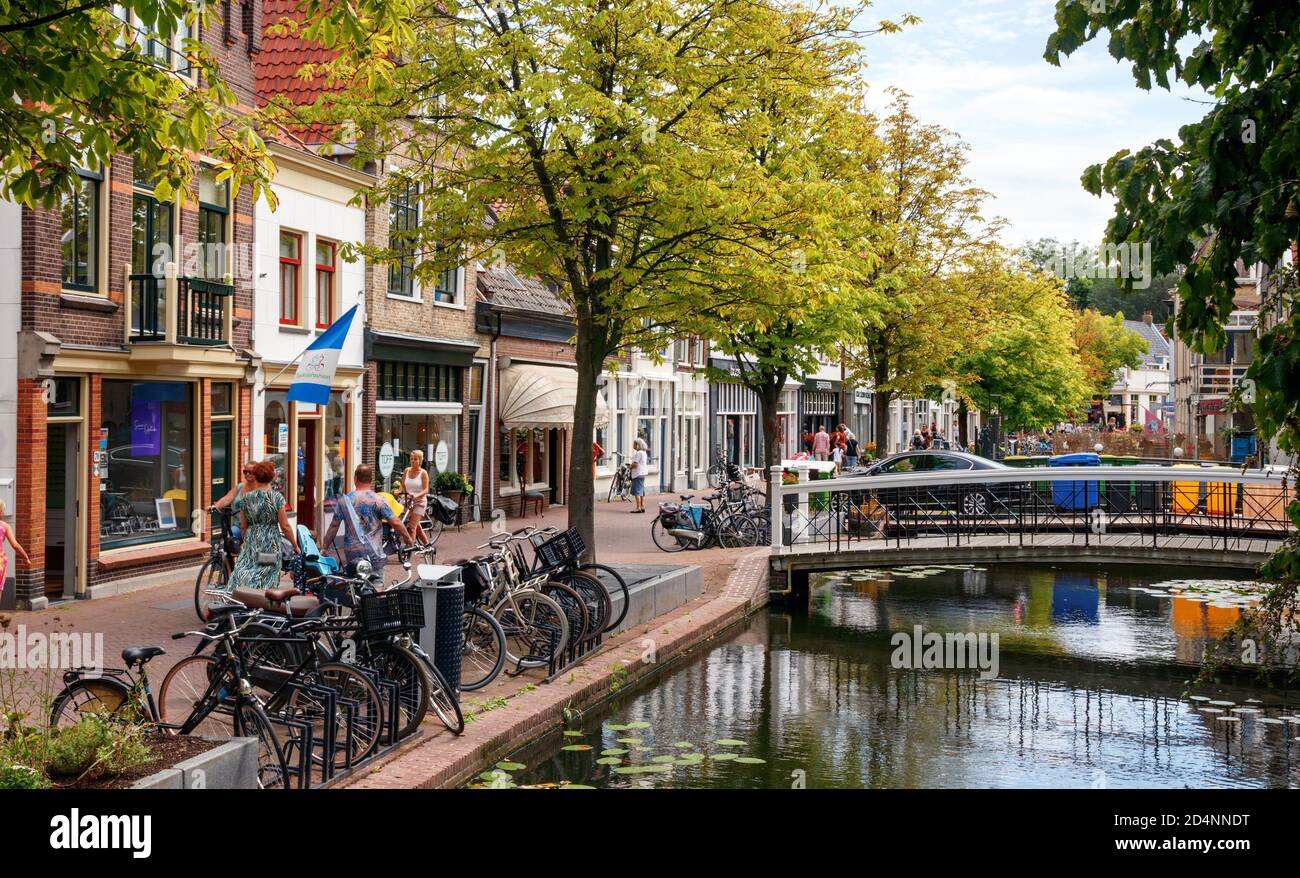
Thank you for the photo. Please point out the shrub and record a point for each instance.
(21, 777)
(450, 480)
(95, 747)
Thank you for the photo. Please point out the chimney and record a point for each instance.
(1146, 316)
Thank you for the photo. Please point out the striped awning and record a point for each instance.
(533, 395)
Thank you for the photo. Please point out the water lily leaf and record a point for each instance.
(630, 769)
(750, 760)
(572, 733)
(615, 727)
(663, 759)
(575, 786)
(722, 757)
(613, 751)
(684, 745)
(628, 740)
(511, 766)
(576, 747)
(729, 742)
(639, 724)
(609, 760)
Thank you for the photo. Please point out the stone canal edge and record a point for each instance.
(444, 761)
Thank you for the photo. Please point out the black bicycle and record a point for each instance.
(621, 484)
(210, 695)
(561, 553)
(682, 525)
(214, 575)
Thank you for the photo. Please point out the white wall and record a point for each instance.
(11, 247)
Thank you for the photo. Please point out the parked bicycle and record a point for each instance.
(621, 484)
(682, 525)
(723, 470)
(214, 575)
(211, 695)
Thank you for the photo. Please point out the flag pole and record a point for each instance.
(286, 368)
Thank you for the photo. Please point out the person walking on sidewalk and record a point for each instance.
(850, 451)
(261, 520)
(821, 443)
(7, 533)
(640, 466)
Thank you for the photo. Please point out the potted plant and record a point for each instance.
(452, 485)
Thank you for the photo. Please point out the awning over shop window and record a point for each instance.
(542, 396)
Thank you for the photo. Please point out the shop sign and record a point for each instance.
(386, 460)
(862, 397)
(440, 456)
(282, 439)
(1211, 406)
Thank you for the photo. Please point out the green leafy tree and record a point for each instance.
(1105, 346)
(1225, 191)
(592, 131)
(85, 85)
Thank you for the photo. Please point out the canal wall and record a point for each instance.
(639, 650)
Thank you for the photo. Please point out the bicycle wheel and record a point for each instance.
(594, 595)
(717, 475)
(664, 540)
(368, 722)
(737, 532)
(443, 700)
(252, 722)
(105, 696)
(392, 662)
(182, 697)
(533, 624)
(615, 587)
(483, 651)
(212, 577)
(575, 608)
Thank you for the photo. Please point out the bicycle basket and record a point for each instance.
(697, 515)
(577, 545)
(735, 493)
(475, 577)
(388, 612)
(554, 552)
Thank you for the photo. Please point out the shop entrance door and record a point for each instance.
(307, 473)
(62, 453)
(222, 475)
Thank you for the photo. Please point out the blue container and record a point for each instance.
(1075, 496)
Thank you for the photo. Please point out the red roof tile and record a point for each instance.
(277, 66)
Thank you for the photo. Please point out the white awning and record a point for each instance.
(533, 395)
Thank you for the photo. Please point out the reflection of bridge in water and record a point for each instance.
(1201, 516)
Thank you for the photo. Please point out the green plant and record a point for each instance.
(448, 481)
(95, 747)
(21, 777)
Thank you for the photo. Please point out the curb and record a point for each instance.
(443, 761)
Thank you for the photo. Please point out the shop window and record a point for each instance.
(276, 435)
(418, 382)
(325, 265)
(64, 399)
(290, 278)
(148, 471)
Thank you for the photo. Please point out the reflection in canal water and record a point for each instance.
(1093, 664)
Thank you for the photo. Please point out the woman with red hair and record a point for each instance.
(261, 519)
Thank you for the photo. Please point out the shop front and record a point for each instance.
(736, 422)
(821, 405)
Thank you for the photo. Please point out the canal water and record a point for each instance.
(1091, 691)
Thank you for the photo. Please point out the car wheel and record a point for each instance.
(975, 504)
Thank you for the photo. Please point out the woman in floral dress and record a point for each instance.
(262, 519)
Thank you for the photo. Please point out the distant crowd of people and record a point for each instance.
(929, 437)
(839, 446)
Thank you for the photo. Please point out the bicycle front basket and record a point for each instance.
(577, 545)
(388, 612)
(555, 552)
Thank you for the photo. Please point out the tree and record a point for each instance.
(929, 214)
(1105, 346)
(85, 85)
(1226, 191)
(1095, 286)
(1024, 365)
(592, 130)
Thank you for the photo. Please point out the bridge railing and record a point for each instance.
(1225, 506)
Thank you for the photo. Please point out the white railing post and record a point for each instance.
(776, 511)
(803, 502)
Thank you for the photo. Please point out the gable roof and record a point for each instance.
(275, 69)
(1157, 344)
(503, 288)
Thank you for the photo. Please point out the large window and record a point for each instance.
(290, 278)
(214, 208)
(80, 240)
(276, 434)
(403, 224)
(438, 436)
(418, 382)
(325, 265)
(148, 471)
(169, 51)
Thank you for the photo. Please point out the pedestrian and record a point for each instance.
(938, 441)
(597, 452)
(261, 515)
(851, 451)
(362, 513)
(821, 444)
(7, 533)
(415, 481)
(837, 456)
(918, 442)
(640, 466)
(848, 434)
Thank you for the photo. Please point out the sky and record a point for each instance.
(976, 68)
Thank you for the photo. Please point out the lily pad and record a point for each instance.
(613, 751)
(729, 742)
(576, 747)
(684, 745)
(572, 733)
(639, 724)
(511, 766)
(750, 760)
(615, 727)
(609, 760)
(575, 786)
(722, 757)
(629, 740)
(664, 759)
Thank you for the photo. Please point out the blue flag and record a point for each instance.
(316, 371)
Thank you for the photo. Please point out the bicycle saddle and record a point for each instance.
(141, 654)
(686, 498)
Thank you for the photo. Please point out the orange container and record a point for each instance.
(1186, 495)
(1221, 498)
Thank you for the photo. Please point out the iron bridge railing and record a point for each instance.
(1228, 507)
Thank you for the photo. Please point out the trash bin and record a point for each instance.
(1186, 497)
(449, 630)
(431, 577)
(1221, 498)
(1126, 495)
(1074, 496)
(1016, 460)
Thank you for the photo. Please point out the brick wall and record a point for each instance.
(29, 518)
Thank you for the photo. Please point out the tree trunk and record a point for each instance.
(582, 488)
(962, 426)
(880, 400)
(769, 398)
